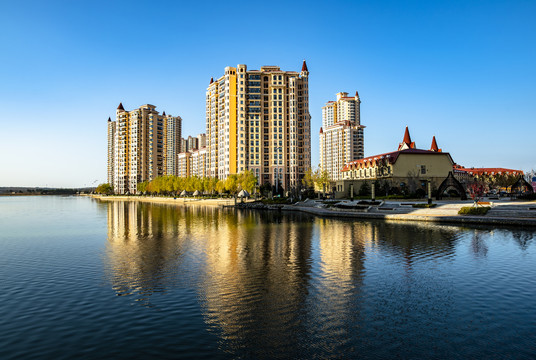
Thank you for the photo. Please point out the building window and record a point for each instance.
(423, 169)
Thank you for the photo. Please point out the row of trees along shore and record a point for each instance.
(174, 185)
(246, 180)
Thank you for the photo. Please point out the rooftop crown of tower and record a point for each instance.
(304, 67)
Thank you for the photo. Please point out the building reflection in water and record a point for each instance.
(256, 279)
(145, 249)
(280, 283)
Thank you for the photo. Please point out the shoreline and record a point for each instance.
(440, 219)
(446, 212)
(166, 200)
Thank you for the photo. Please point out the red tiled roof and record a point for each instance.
(391, 157)
(120, 107)
(488, 171)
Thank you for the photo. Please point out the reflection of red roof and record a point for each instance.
(487, 171)
(388, 157)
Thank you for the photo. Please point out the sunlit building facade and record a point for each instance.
(143, 142)
(111, 147)
(183, 163)
(341, 134)
(172, 142)
(259, 120)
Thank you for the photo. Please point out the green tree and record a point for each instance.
(220, 186)
(142, 187)
(309, 178)
(365, 189)
(105, 189)
(212, 184)
(231, 183)
(247, 181)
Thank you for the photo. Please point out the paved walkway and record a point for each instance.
(502, 212)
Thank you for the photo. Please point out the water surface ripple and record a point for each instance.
(86, 279)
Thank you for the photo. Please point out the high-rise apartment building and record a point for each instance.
(193, 143)
(143, 143)
(202, 140)
(172, 142)
(259, 120)
(341, 134)
(111, 147)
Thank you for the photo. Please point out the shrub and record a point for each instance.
(471, 210)
(424, 205)
(527, 197)
(420, 193)
(281, 200)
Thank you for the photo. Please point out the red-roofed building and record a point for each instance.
(495, 178)
(476, 172)
(407, 169)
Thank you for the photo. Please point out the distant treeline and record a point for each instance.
(40, 191)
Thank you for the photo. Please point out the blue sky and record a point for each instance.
(463, 71)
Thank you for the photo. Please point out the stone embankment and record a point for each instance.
(502, 213)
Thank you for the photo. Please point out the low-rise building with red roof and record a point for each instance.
(406, 169)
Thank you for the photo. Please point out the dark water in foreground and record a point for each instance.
(83, 279)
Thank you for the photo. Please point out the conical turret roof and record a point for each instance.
(434, 146)
(406, 142)
(304, 66)
(120, 107)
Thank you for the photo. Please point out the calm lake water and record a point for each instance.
(86, 279)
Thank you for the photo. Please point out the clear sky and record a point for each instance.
(464, 71)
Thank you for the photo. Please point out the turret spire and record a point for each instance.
(304, 66)
(211, 80)
(406, 142)
(407, 138)
(434, 146)
(120, 107)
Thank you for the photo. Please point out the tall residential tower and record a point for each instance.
(341, 134)
(143, 144)
(259, 120)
